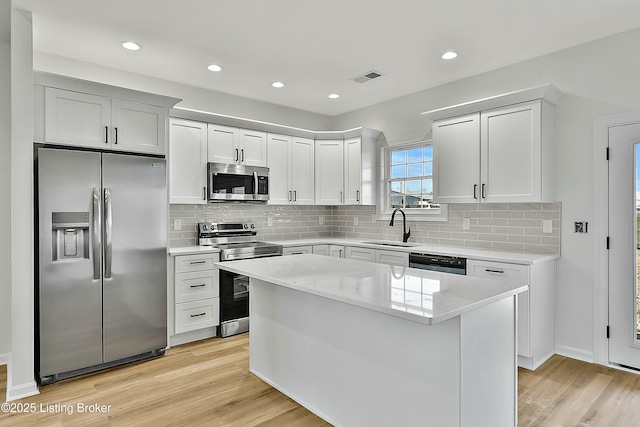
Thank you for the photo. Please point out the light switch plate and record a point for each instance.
(177, 224)
(547, 226)
(466, 223)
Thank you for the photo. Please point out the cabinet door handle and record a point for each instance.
(475, 191)
(357, 195)
(106, 134)
(237, 155)
(290, 196)
(204, 193)
(242, 152)
(197, 262)
(488, 270)
(116, 135)
(198, 286)
(340, 253)
(198, 315)
(295, 196)
(484, 194)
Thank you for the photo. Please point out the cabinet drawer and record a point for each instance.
(392, 258)
(196, 315)
(510, 273)
(352, 252)
(297, 250)
(187, 263)
(197, 285)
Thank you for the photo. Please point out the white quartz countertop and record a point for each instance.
(478, 254)
(418, 295)
(191, 250)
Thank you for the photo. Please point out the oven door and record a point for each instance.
(237, 183)
(234, 296)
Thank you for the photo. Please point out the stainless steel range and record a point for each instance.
(235, 241)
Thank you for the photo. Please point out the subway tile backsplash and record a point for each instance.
(515, 227)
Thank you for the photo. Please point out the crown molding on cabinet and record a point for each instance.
(100, 89)
(258, 125)
(548, 93)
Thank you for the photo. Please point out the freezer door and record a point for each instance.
(69, 276)
(135, 282)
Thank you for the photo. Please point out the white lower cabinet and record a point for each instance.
(329, 250)
(392, 258)
(536, 307)
(363, 254)
(297, 250)
(196, 292)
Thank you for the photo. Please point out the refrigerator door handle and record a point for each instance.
(107, 233)
(96, 227)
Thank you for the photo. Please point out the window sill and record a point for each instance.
(416, 216)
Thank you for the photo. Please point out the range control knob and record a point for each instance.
(246, 226)
(204, 226)
(253, 226)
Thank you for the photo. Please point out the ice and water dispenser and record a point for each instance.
(70, 235)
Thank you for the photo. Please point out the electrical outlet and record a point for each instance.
(269, 221)
(321, 220)
(355, 220)
(466, 223)
(547, 226)
(581, 227)
(177, 224)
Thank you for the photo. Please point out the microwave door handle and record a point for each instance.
(255, 185)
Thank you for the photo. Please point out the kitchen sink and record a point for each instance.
(399, 244)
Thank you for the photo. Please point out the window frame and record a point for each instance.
(384, 209)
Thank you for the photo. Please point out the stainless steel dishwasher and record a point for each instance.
(440, 263)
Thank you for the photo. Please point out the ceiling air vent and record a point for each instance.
(366, 77)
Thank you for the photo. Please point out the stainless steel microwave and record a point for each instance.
(229, 183)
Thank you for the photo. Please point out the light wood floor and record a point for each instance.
(208, 383)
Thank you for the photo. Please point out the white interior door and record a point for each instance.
(624, 187)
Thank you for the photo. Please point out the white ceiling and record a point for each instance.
(316, 47)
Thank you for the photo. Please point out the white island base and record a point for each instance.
(354, 366)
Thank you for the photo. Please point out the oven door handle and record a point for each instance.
(255, 185)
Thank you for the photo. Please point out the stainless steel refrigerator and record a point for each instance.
(102, 260)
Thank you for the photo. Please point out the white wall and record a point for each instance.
(192, 97)
(598, 78)
(5, 178)
(21, 368)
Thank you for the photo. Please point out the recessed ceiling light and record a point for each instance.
(449, 55)
(334, 96)
(277, 84)
(131, 45)
(214, 67)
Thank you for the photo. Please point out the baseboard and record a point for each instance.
(20, 391)
(575, 353)
(191, 336)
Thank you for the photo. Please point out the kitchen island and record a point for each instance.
(360, 343)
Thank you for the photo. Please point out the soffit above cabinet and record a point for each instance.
(243, 123)
(548, 93)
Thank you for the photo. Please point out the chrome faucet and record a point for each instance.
(405, 233)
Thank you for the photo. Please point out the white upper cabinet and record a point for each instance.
(238, 146)
(353, 171)
(499, 155)
(187, 162)
(291, 170)
(302, 170)
(138, 127)
(87, 120)
(456, 159)
(497, 149)
(329, 172)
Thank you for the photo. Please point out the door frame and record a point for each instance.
(601, 229)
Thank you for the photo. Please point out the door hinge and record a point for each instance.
(607, 331)
(607, 242)
(607, 153)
